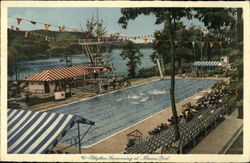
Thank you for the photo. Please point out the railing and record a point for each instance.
(39, 91)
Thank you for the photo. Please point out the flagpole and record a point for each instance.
(201, 52)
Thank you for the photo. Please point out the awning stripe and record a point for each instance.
(37, 132)
(33, 133)
(51, 137)
(65, 73)
(10, 112)
(205, 63)
(20, 122)
(30, 145)
(16, 128)
(28, 135)
(15, 135)
(56, 126)
(14, 117)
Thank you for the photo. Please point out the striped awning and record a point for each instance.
(38, 132)
(65, 73)
(206, 63)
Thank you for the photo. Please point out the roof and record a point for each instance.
(65, 73)
(38, 132)
(135, 133)
(206, 63)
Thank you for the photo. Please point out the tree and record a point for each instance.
(169, 16)
(133, 54)
(216, 18)
(228, 19)
(95, 30)
(62, 46)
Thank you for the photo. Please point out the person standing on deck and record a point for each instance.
(27, 100)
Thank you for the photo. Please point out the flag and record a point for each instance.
(18, 20)
(202, 44)
(211, 44)
(193, 43)
(87, 34)
(32, 22)
(46, 26)
(61, 29)
(26, 34)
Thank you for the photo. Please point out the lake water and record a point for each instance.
(116, 111)
(40, 64)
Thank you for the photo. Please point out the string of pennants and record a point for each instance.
(116, 36)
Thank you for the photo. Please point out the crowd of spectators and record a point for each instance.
(214, 99)
(159, 128)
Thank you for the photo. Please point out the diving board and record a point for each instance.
(38, 132)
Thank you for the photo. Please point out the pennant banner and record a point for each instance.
(19, 21)
(193, 43)
(211, 44)
(32, 22)
(61, 29)
(46, 26)
(202, 44)
(26, 34)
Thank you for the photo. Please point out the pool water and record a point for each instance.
(116, 111)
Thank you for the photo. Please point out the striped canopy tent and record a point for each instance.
(66, 73)
(206, 63)
(38, 132)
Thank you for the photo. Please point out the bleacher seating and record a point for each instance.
(188, 131)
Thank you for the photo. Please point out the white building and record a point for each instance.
(50, 80)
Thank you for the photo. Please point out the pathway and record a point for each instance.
(219, 139)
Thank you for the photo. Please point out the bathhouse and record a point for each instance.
(50, 80)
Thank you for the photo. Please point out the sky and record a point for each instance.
(73, 17)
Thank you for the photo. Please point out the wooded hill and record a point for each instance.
(41, 43)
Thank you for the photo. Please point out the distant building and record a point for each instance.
(224, 62)
(200, 67)
(50, 80)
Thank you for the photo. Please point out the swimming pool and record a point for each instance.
(116, 111)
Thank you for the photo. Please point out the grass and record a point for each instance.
(237, 146)
(36, 100)
(134, 79)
